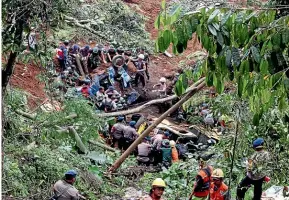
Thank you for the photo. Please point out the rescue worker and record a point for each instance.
(130, 134)
(166, 153)
(117, 132)
(111, 53)
(60, 54)
(108, 103)
(84, 53)
(175, 155)
(64, 189)
(156, 146)
(218, 189)
(141, 68)
(144, 150)
(146, 60)
(111, 90)
(257, 169)
(203, 180)
(162, 86)
(158, 188)
(94, 58)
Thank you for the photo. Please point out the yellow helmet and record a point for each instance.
(218, 173)
(159, 182)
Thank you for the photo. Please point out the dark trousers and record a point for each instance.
(127, 143)
(147, 72)
(158, 157)
(244, 186)
(142, 79)
(62, 64)
(118, 142)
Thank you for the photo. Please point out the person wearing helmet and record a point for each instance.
(162, 87)
(175, 155)
(117, 133)
(64, 189)
(202, 183)
(166, 153)
(257, 169)
(157, 190)
(84, 55)
(141, 68)
(218, 189)
(143, 152)
(130, 134)
(146, 60)
(112, 90)
(94, 58)
(120, 50)
(111, 53)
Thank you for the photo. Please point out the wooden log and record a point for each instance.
(152, 102)
(120, 160)
(102, 145)
(25, 114)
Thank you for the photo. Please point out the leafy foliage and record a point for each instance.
(115, 21)
(247, 47)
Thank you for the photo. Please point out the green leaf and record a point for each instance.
(158, 22)
(236, 56)
(228, 57)
(264, 67)
(244, 68)
(240, 86)
(161, 44)
(256, 54)
(256, 119)
(220, 38)
(213, 15)
(210, 79)
(285, 37)
(220, 86)
(217, 27)
(167, 35)
(179, 90)
(226, 17)
(163, 4)
(212, 30)
(175, 13)
(282, 103)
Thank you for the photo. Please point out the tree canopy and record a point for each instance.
(248, 47)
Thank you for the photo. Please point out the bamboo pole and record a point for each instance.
(120, 160)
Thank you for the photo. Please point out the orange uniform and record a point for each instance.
(218, 193)
(202, 187)
(175, 155)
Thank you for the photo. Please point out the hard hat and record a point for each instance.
(120, 118)
(258, 143)
(159, 182)
(163, 80)
(218, 173)
(66, 42)
(132, 123)
(110, 88)
(86, 47)
(141, 56)
(166, 143)
(71, 172)
(167, 133)
(172, 143)
(95, 50)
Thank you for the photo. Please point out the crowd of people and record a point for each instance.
(106, 75)
(209, 182)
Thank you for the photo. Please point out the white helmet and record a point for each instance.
(141, 56)
(172, 143)
(163, 80)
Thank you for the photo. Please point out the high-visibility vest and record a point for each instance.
(206, 177)
(218, 194)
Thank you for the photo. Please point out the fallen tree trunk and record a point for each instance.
(78, 140)
(120, 160)
(155, 101)
(25, 114)
(102, 145)
(77, 23)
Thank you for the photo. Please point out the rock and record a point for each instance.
(132, 193)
